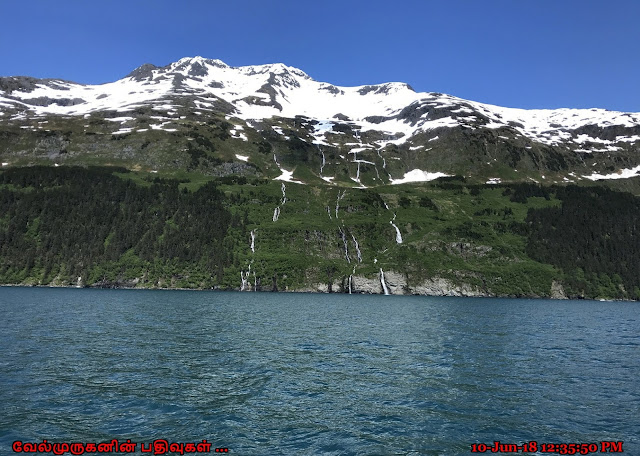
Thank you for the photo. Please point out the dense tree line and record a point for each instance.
(69, 221)
(594, 236)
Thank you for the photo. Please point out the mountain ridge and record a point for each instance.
(201, 175)
(373, 124)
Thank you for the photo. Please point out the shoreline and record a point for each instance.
(308, 291)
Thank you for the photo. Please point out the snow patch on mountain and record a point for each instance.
(620, 174)
(418, 175)
(259, 92)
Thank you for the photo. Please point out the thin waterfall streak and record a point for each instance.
(355, 241)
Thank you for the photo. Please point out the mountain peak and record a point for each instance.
(198, 60)
(275, 68)
(144, 71)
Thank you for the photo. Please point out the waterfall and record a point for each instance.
(323, 163)
(358, 173)
(244, 277)
(398, 235)
(244, 282)
(276, 211)
(253, 241)
(357, 248)
(384, 162)
(329, 212)
(344, 241)
(351, 279)
(384, 285)
(338, 201)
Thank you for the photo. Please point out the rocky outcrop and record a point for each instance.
(439, 286)
(397, 285)
(557, 291)
(143, 72)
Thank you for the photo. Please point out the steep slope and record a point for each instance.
(106, 227)
(261, 178)
(275, 121)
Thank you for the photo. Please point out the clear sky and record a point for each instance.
(517, 53)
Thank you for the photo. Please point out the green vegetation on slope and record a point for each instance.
(113, 227)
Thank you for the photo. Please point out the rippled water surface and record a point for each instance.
(302, 374)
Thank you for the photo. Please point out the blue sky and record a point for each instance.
(518, 53)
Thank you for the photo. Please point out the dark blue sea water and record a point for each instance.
(304, 374)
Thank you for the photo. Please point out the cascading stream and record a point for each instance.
(398, 234)
(276, 211)
(344, 241)
(338, 200)
(382, 282)
(355, 241)
(253, 241)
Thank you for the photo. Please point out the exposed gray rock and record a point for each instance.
(227, 169)
(397, 284)
(52, 146)
(557, 291)
(331, 89)
(178, 78)
(143, 72)
(377, 119)
(46, 101)
(439, 286)
(197, 69)
(261, 101)
(19, 83)
(467, 250)
(367, 89)
(366, 285)
(608, 133)
(342, 117)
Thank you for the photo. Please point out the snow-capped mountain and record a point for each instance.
(276, 120)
